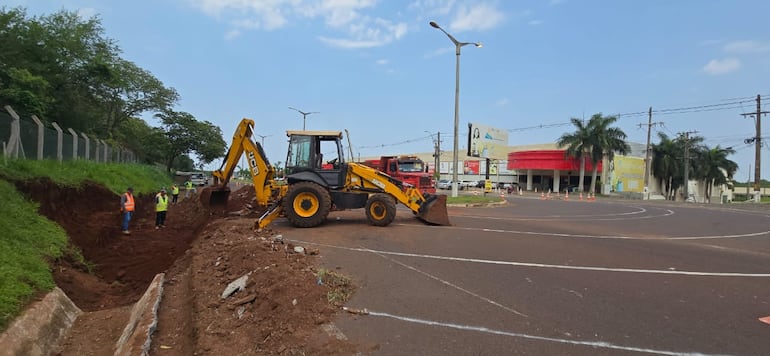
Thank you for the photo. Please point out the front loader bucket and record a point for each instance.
(433, 210)
(215, 197)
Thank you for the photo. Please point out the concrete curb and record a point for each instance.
(42, 326)
(137, 335)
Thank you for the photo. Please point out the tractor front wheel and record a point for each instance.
(380, 209)
(307, 204)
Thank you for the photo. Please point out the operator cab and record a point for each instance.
(317, 153)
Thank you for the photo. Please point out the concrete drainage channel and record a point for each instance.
(42, 327)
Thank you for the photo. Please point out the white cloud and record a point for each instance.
(355, 28)
(232, 34)
(536, 22)
(438, 52)
(87, 12)
(348, 43)
(382, 61)
(502, 102)
(477, 17)
(433, 7)
(722, 66)
(747, 47)
(368, 33)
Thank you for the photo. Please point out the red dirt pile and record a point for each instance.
(281, 310)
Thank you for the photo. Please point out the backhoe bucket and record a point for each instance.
(215, 197)
(433, 210)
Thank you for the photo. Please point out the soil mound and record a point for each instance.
(281, 309)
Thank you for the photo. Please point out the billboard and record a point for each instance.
(487, 142)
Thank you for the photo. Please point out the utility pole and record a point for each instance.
(757, 146)
(648, 154)
(687, 163)
(437, 156)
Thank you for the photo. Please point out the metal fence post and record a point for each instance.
(74, 143)
(59, 141)
(106, 151)
(88, 148)
(40, 137)
(14, 141)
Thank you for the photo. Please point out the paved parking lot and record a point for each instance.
(554, 277)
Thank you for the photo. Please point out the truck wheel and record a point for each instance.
(380, 209)
(307, 204)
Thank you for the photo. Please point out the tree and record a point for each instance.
(713, 167)
(665, 166)
(605, 141)
(184, 135)
(578, 145)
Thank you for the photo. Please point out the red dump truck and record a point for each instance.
(408, 169)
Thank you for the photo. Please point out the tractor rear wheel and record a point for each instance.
(307, 204)
(380, 209)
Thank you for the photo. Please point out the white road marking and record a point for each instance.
(542, 265)
(551, 217)
(597, 344)
(490, 301)
(621, 237)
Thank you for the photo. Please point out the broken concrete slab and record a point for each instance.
(137, 335)
(40, 329)
(236, 286)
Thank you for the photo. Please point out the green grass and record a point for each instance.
(474, 199)
(340, 287)
(115, 176)
(27, 244)
(30, 242)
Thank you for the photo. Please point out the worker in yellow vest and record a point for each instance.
(188, 188)
(161, 207)
(174, 193)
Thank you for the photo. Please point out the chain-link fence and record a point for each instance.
(29, 138)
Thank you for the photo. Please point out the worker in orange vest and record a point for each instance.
(127, 208)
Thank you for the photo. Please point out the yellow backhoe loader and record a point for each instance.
(313, 187)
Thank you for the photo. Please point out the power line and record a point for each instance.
(726, 104)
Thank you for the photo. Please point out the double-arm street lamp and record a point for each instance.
(263, 139)
(458, 45)
(304, 115)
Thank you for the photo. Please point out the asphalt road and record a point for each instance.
(555, 277)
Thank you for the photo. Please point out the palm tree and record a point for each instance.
(714, 168)
(606, 141)
(665, 164)
(578, 145)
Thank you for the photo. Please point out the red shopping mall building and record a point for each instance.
(546, 170)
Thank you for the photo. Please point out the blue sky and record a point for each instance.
(378, 69)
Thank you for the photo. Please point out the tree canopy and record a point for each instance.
(62, 68)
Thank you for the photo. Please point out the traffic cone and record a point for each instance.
(542, 196)
(521, 192)
(566, 196)
(581, 196)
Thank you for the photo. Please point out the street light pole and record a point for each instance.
(455, 150)
(263, 139)
(304, 115)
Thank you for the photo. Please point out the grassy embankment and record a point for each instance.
(29, 242)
